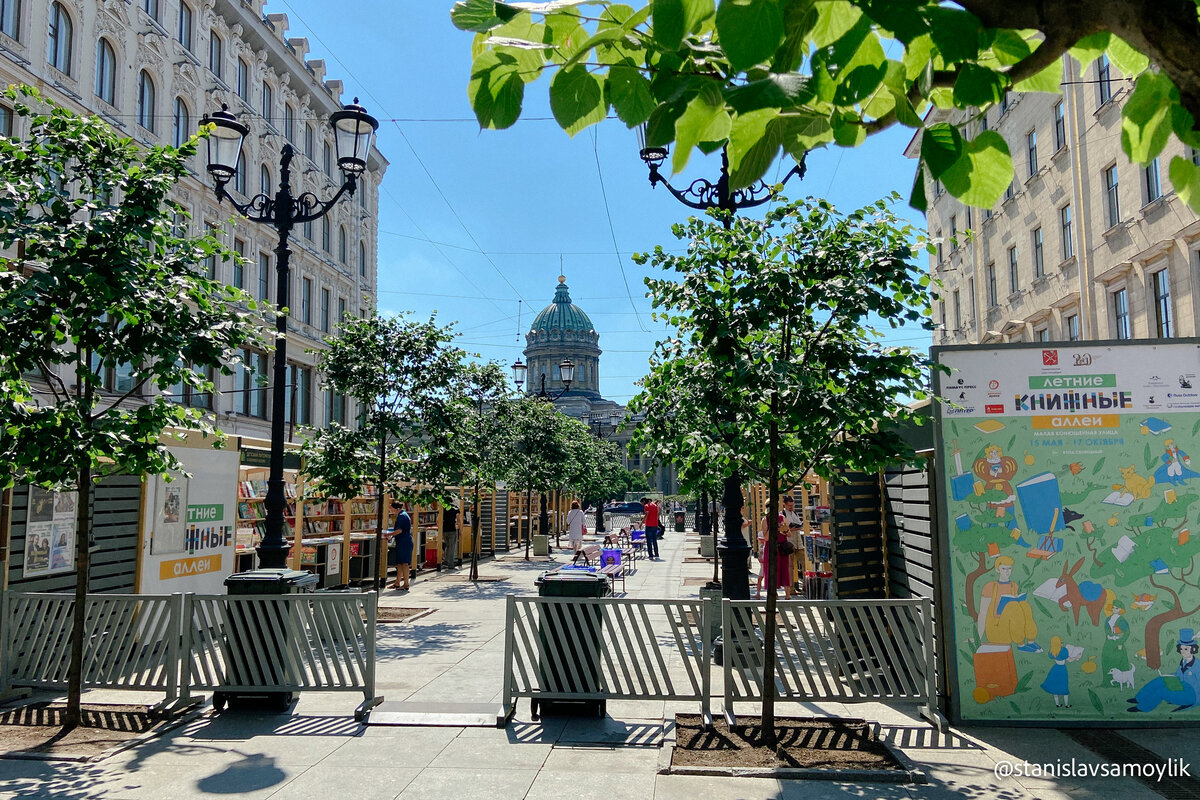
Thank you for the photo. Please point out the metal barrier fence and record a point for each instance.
(847, 651)
(565, 648)
(180, 643)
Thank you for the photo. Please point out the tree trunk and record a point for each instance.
(972, 577)
(476, 506)
(529, 524)
(83, 504)
(770, 564)
(1155, 625)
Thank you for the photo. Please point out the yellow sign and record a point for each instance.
(1076, 422)
(186, 567)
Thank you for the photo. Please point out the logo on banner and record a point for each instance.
(993, 384)
(1083, 359)
(993, 409)
(1049, 358)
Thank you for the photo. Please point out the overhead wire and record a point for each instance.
(612, 231)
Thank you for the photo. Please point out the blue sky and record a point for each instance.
(474, 224)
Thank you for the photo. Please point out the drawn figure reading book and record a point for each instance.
(1056, 683)
(1116, 630)
(1182, 688)
(1175, 466)
(997, 470)
(1005, 616)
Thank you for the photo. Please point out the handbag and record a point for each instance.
(786, 548)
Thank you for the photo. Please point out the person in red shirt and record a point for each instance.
(651, 510)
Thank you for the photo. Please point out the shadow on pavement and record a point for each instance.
(250, 773)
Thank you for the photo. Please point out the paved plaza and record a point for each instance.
(455, 653)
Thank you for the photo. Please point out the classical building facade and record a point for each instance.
(1084, 245)
(152, 69)
(563, 331)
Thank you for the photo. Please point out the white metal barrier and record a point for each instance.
(180, 643)
(567, 648)
(845, 651)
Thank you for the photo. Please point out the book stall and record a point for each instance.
(812, 560)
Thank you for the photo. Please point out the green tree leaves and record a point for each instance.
(976, 171)
(497, 90)
(576, 99)
(749, 31)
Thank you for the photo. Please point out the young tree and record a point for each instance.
(776, 319)
(102, 284)
(406, 376)
(761, 76)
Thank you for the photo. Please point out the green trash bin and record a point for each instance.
(680, 521)
(259, 647)
(570, 640)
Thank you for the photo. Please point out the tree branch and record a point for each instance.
(135, 389)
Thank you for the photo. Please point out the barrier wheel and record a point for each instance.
(220, 700)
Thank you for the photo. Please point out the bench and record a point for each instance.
(589, 553)
(593, 555)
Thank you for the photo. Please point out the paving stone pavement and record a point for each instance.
(318, 751)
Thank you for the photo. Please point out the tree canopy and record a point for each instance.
(762, 77)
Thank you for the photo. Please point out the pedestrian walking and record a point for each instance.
(652, 527)
(400, 556)
(576, 526)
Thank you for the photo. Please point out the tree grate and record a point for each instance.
(1119, 750)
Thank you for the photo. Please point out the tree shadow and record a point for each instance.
(395, 642)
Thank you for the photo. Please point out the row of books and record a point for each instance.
(251, 490)
(323, 508)
(362, 524)
(249, 511)
(322, 526)
(362, 507)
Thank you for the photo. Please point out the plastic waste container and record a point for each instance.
(258, 651)
(680, 520)
(570, 639)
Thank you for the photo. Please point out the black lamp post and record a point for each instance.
(566, 371)
(597, 423)
(702, 195)
(353, 130)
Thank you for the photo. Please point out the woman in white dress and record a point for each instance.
(575, 526)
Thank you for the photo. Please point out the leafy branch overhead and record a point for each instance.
(762, 77)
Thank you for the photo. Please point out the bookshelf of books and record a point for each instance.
(335, 538)
(251, 513)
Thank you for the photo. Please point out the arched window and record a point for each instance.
(58, 48)
(342, 255)
(362, 259)
(264, 180)
(106, 73)
(325, 245)
(181, 123)
(239, 177)
(145, 106)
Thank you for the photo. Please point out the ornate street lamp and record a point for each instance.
(703, 194)
(566, 371)
(597, 422)
(353, 130)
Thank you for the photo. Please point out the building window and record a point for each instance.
(325, 310)
(10, 18)
(1073, 328)
(145, 106)
(1013, 277)
(991, 286)
(308, 140)
(1031, 150)
(957, 311)
(252, 373)
(343, 255)
(1112, 196)
(327, 159)
(308, 229)
(299, 401)
(268, 107)
(151, 9)
(289, 122)
(341, 310)
(953, 232)
(1162, 303)
(181, 123)
(939, 251)
(239, 177)
(1196, 156)
(187, 395)
(326, 245)
(1120, 302)
(1104, 78)
(362, 259)
(306, 301)
(264, 180)
(1153, 183)
(210, 262)
(1064, 222)
(184, 34)
(239, 264)
(106, 73)
(1004, 103)
(1041, 335)
(983, 123)
(243, 80)
(264, 276)
(1039, 267)
(1009, 191)
(1060, 127)
(335, 408)
(6, 121)
(216, 55)
(58, 45)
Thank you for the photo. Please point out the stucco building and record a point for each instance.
(1084, 245)
(152, 69)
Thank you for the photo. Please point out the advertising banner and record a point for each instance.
(49, 533)
(189, 539)
(1068, 498)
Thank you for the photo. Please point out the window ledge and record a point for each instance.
(1113, 230)
(1067, 263)
(1156, 204)
(1060, 153)
(1005, 203)
(1041, 281)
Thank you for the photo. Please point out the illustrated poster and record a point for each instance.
(1070, 498)
(49, 533)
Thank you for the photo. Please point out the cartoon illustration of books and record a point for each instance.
(995, 669)
(989, 426)
(1041, 503)
(1155, 425)
(962, 485)
(1118, 498)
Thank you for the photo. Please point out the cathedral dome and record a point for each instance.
(562, 316)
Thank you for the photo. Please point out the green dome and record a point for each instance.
(562, 315)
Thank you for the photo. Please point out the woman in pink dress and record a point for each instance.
(783, 563)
